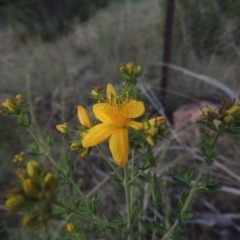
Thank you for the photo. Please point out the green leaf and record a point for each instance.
(50, 140)
(208, 185)
(176, 214)
(232, 130)
(115, 177)
(182, 200)
(178, 237)
(182, 224)
(188, 216)
(181, 182)
(33, 150)
(208, 124)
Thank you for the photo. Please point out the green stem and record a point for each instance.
(76, 235)
(192, 191)
(109, 162)
(47, 154)
(132, 186)
(126, 187)
(155, 210)
(43, 149)
(85, 217)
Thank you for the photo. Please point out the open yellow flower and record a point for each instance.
(116, 115)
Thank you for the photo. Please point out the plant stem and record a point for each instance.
(132, 186)
(126, 187)
(109, 162)
(43, 149)
(85, 217)
(155, 209)
(192, 191)
(46, 153)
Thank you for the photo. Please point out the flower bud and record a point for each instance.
(228, 119)
(10, 106)
(235, 110)
(30, 220)
(63, 128)
(33, 168)
(129, 68)
(84, 117)
(49, 180)
(76, 145)
(138, 71)
(85, 152)
(207, 112)
(71, 227)
(121, 69)
(15, 203)
(150, 141)
(31, 188)
(19, 100)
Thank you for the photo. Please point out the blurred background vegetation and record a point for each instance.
(54, 52)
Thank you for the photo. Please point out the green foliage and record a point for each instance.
(206, 21)
(50, 19)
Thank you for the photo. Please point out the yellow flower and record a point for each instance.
(84, 117)
(71, 227)
(115, 116)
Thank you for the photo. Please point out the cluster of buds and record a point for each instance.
(130, 72)
(86, 123)
(228, 113)
(19, 158)
(33, 192)
(12, 106)
(154, 128)
(97, 93)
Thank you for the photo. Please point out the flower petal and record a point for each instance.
(100, 110)
(97, 134)
(119, 146)
(135, 108)
(84, 117)
(135, 125)
(111, 93)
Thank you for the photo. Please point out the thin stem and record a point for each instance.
(155, 209)
(132, 186)
(109, 162)
(47, 154)
(78, 189)
(126, 187)
(85, 217)
(192, 191)
(76, 235)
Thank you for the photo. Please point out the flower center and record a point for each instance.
(119, 112)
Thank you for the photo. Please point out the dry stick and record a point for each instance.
(167, 47)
